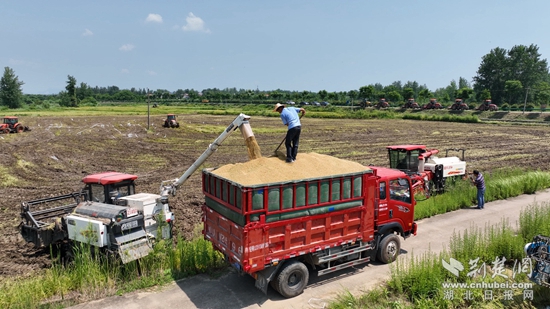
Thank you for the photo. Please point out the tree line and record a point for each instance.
(505, 76)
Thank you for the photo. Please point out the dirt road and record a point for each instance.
(232, 291)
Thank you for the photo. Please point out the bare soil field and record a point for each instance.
(59, 151)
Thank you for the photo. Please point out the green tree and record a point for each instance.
(408, 93)
(11, 94)
(323, 94)
(69, 98)
(367, 92)
(521, 63)
(83, 92)
(463, 83)
(424, 94)
(394, 96)
(464, 93)
(485, 94)
(542, 93)
(513, 89)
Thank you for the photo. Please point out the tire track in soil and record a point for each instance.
(53, 157)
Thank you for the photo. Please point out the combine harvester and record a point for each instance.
(108, 214)
(428, 172)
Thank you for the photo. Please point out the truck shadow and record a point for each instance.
(234, 291)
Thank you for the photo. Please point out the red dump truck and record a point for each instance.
(334, 219)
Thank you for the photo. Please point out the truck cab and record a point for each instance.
(394, 209)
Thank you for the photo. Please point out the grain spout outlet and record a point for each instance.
(252, 146)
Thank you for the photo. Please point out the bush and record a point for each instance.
(530, 107)
(89, 101)
(505, 107)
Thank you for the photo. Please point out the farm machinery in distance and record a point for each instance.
(459, 105)
(487, 106)
(171, 122)
(411, 104)
(108, 214)
(382, 103)
(433, 104)
(427, 171)
(11, 124)
(539, 251)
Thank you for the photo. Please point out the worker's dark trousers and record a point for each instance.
(291, 143)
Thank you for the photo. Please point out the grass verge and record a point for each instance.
(490, 255)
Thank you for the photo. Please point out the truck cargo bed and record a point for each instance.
(258, 226)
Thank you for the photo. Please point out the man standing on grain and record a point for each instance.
(290, 118)
(479, 182)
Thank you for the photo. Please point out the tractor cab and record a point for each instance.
(487, 102)
(170, 117)
(10, 120)
(108, 187)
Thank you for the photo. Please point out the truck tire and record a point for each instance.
(292, 280)
(388, 249)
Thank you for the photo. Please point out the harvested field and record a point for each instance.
(59, 151)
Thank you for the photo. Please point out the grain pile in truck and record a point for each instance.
(273, 169)
(270, 218)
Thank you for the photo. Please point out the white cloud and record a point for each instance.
(153, 18)
(87, 32)
(126, 47)
(152, 73)
(194, 23)
(124, 71)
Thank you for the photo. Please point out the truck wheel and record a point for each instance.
(292, 279)
(389, 249)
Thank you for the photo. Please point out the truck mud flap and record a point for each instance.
(134, 250)
(265, 276)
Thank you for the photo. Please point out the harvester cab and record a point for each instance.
(427, 171)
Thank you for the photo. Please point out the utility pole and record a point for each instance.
(525, 102)
(148, 110)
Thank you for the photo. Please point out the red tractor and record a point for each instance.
(459, 105)
(487, 106)
(11, 124)
(427, 171)
(171, 122)
(433, 104)
(411, 104)
(382, 104)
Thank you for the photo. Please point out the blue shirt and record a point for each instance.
(290, 117)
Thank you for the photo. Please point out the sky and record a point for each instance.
(267, 45)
